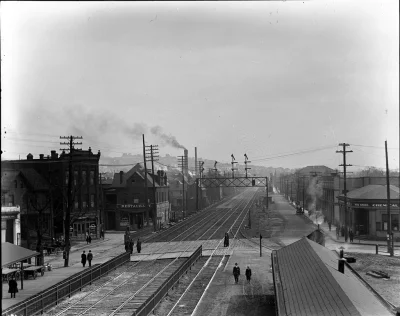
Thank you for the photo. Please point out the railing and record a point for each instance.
(51, 296)
(155, 298)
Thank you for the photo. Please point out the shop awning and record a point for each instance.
(11, 253)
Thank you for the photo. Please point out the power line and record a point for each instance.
(380, 147)
(295, 153)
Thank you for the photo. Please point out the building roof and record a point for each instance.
(373, 192)
(11, 253)
(308, 283)
(137, 169)
(320, 170)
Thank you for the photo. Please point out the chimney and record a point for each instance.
(159, 177)
(53, 154)
(121, 177)
(186, 161)
(29, 157)
(341, 265)
(41, 156)
(90, 151)
(195, 161)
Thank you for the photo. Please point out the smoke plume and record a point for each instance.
(315, 191)
(167, 139)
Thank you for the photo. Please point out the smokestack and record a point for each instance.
(185, 151)
(121, 177)
(195, 161)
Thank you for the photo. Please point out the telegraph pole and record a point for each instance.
(145, 183)
(201, 170)
(69, 194)
(182, 164)
(389, 229)
(153, 151)
(346, 223)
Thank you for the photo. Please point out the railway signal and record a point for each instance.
(246, 161)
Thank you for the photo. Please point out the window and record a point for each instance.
(22, 184)
(84, 204)
(84, 175)
(66, 177)
(91, 177)
(384, 222)
(395, 222)
(76, 177)
(92, 200)
(135, 199)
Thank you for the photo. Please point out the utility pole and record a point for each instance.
(291, 190)
(69, 194)
(346, 220)
(201, 170)
(153, 151)
(389, 229)
(233, 166)
(182, 164)
(246, 161)
(304, 197)
(102, 203)
(145, 183)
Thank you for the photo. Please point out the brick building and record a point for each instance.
(46, 180)
(125, 200)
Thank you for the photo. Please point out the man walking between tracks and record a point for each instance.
(90, 258)
(226, 240)
(83, 258)
(138, 245)
(236, 272)
(248, 274)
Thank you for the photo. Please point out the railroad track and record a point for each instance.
(112, 287)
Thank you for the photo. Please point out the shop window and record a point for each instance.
(395, 222)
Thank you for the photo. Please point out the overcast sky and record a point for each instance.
(262, 78)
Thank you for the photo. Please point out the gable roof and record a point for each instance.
(321, 170)
(11, 253)
(373, 192)
(308, 282)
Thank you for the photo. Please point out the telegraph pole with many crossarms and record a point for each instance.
(182, 164)
(69, 194)
(152, 155)
(346, 223)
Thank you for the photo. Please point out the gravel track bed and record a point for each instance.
(175, 293)
(190, 299)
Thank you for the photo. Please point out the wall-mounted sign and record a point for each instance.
(131, 205)
(124, 221)
(92, 227)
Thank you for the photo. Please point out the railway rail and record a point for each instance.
(125, 281)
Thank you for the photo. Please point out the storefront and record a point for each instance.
(368, 213)
(11, 225)
(132, 216)
(84, 225)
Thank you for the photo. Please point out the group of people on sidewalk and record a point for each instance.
(129, 245)
(341, 231)
(236, 273)
(88, 258)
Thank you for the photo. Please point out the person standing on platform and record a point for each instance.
(131, 244)
(236, 272)
(351, 235)
(12, 287)
(138, 245)
(248, 274)
(90, 258)
(227, 239)
(83, 258)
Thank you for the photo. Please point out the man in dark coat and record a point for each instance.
(351, 235)
(227, 239)
(90, 239)
(131, 244)
(236, 272)
(248, 274)
(138, 245)
(83, 258)
(12, 287)
(90, 258)
(87, 239)
(127, 246)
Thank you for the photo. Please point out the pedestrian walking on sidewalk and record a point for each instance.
(330, 225)
(131, 244)
(236, 272)
(342, 230)
(102, 233)
(83, 258)
(127, 246)
(87, 239)
(337, 232)
(90, 239)
(12, 287)
(138, 245)
(90, 258)
(351, 235)
(248, 274)
(227, 239)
